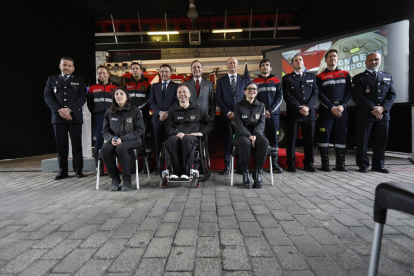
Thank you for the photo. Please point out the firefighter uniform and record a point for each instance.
(334, 89)
(249, 119)
(186, 120)
(99, 99)
(70, 93)
(299, 91)
(369, 91)
(139, 91)
(270, 93)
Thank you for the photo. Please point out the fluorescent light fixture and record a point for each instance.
(163, 33)
(228, 31)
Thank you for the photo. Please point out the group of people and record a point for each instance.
(249, 114)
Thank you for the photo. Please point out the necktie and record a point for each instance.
(374, 73)
(198, 88)
(65, 77)
(164, 88)
(233, 84)
(300, 77)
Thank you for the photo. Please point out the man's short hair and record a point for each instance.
(140, 66)
(297, 55)
(67, 58)
(102, 66)
(264, 61)
(184, 84)
(330, 51)
(195, 62)
(166, 65)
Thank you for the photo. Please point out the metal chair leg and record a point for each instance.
(231, 170)
(136, 168)
(98, 173)
(271, 169)
(376, 248)
(148, 169)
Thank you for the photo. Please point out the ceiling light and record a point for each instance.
(192, 12)
(163, 33)
(228, 31)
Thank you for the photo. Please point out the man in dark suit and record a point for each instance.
(230, 90)
(300, 93)
(374, 94)
(65, 94)
(162, 100)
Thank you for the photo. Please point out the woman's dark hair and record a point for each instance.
(250, 82)
(128, 104)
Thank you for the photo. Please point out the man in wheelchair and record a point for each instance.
(185, 124)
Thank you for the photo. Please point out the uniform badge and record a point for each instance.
(142, 87)
(271, 81)
(129, 120)
(192, 117)
(112, 90)
(257, 116)
(57, 82)
(341, 74)
(367, 90)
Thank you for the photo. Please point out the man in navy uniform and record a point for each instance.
(334, 86)
(99, 99)
(300, 93)
(139, 91)
(65, 94)
(162, 100)
(270, 93)
(374, 94)
(230, 90)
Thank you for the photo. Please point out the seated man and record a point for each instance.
(184, 124)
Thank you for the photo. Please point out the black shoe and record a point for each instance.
(80, 175)
(115, 184)
(363, 170)
(126, 186)
(258, 182)
(277, 168)
(381, 170)
(310, 168)
(60, 176)
(292, 168)
(225, 171)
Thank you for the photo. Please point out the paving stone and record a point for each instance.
(207, 267)
(149, 224)
(307, 221)
(172, 217)
(258, 247)
(111, 249)
(251, 229)
(111, 224)
(301, 273)
(230, 237)
(166, 230)
(235, 258)
(267, 221)
(325, 266)
(260, 210)
(181, 259)
(73, 225)
(344, 257)
(74, 261)
(42, 232)
(26, 258)
(84, 232)
(140, 239)
(228, 223)
(208, 207)
(207, 229)
(151, 266)
(94, 267)
(191, 212)
(188, 223)
(158, 248)
(208, 217)
(244, 216)
(176, 207)
(319, 214)
(282, 215)
(290, 258)
(62, 249)
(266, 266)
(208, 247)
(322, 236)
(308, 246)
(52, 240)
(292, 228)
(336, 228)
(185, 238)
(225, 211)
(39, 267)
(238, 273)
(96, 240)
(128, 260)
(241, 206)
(135, 218)
(276, 236)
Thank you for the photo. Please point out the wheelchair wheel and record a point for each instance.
(162, 161)
(205, 162)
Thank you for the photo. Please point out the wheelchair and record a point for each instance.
(201, 160)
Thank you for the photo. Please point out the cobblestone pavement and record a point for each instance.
(307, 224)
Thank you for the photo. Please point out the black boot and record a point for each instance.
(115, 184)
(325, 159)
(258, 182)
(126, 186)
(275, 165)
(340, 160)
(246, 175)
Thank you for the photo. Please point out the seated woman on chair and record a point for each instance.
(185, 123)
(122, 130)
(249, 118)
